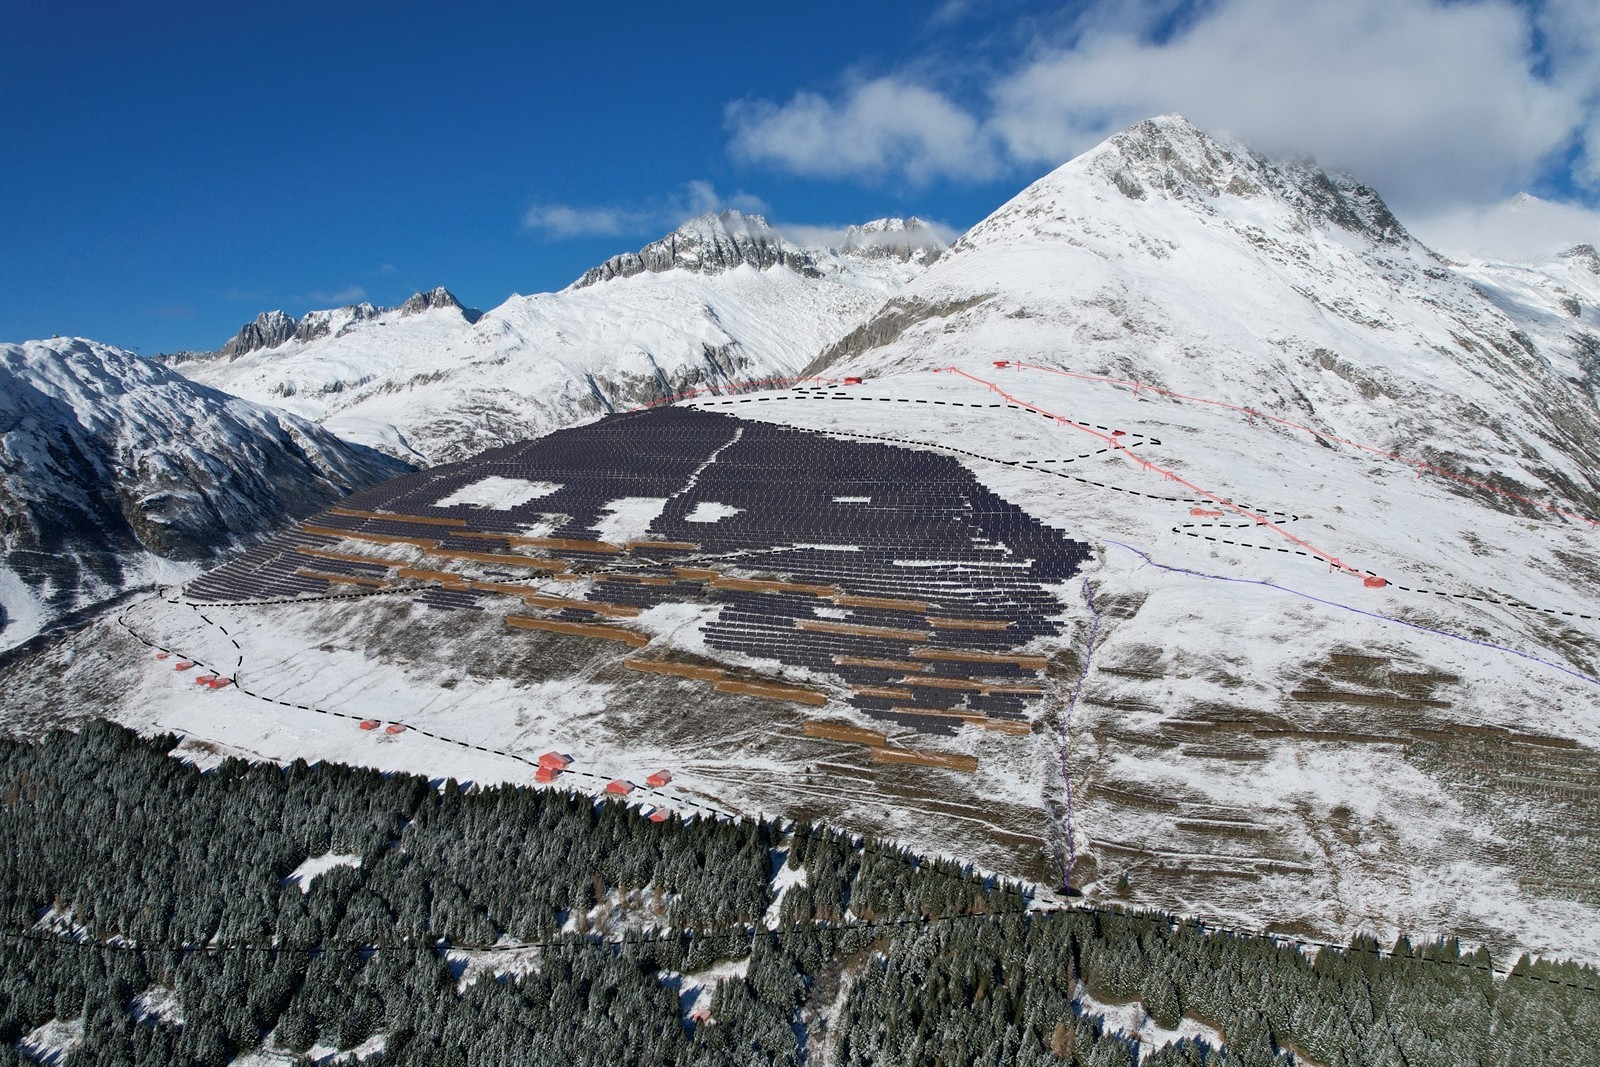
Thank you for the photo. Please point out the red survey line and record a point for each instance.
(1420, 465)
(1117, 446)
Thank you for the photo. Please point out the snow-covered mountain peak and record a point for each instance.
(903, 239)
(708, 244)
(438, 299)
(1169, 160)
(268, 330)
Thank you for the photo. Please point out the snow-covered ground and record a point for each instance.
(1199, 775)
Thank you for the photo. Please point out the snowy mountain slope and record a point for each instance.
(1555, 303)
(1168, 257)
(1226, 724)
(112, 468)
(721, 299)
(1243, 732)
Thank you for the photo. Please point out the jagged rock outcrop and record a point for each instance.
(273, 328)
(1585, 256)
(269, 330)
(438, 299)
(709, 244)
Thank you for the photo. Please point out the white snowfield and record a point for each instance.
(1262, 737)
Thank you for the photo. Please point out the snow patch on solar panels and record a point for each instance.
(852, 500)
(711, 511)
(498, 493)
(628, 518)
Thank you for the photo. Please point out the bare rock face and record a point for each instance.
(109, 460)
(1585, 256)
(269, 330)
(438, 299)
(709, 244)
(1170, 157)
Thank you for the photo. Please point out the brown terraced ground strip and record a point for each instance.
(510, 559)
(673, 546)
(536, 598)
(1334, 696)
(825, 627)
(557, 543)
(376, 539)
(1037, 663)
(389, 516)
(1005, 726)
(883, 664)
(681, 670)
(942, 713)
(579, 629)
(837, 732)
(882, 693)
(348, 557)
(919, 758)
(846, 600)
(754, 585)
(772, 691)
(968, 624)
(448, 579)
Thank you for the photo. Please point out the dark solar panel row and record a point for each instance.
(929, 531)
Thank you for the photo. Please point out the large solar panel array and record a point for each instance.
(890, 568)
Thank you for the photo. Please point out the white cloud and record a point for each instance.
(880, 127)
(1436, 104)
(348, 295)
(824, 236)
(1522, 228)
(561, 221)
(1427, 102)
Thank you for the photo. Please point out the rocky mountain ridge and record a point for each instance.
(723, 298)
(270, 329)
(113, 469)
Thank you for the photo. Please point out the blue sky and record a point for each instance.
(174, 168)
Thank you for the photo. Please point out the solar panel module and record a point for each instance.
(820, 552)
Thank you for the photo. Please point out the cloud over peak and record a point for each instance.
(1433, 103)
(558, 221)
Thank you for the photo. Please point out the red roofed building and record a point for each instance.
(619, 787)
(658, 779)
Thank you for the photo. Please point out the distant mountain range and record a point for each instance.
(723, 298)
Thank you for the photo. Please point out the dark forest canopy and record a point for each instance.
(130, 879)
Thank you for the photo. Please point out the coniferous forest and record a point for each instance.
(151, 912)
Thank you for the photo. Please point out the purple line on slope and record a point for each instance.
(1359, 611)
(1066, 723)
